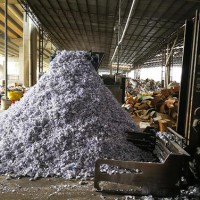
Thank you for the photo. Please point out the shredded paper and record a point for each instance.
(64, 123)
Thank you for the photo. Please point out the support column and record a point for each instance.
(137, 73)
(168, 62)
(162, 68)
(118, 37)
(28, 54)
(41, 49)
(111, 69)
(167, 67)
(182, 121)
(33, 54)
(26, 47)
(6, 47)
(171, 66)
(21, 64)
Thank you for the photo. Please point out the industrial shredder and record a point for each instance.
(159, 178)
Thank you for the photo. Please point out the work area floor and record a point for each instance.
(45, 188)
(53, 189)
(62, 189)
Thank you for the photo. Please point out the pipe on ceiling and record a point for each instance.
(125, 29)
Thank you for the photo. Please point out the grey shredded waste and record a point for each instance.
(64, 123)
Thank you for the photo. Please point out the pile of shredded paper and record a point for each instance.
(64, 123)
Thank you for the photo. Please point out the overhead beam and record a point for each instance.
(10, 49)
(11, 23)
(68, 36)
(156, 46)
(9, 52)
(89, 23)
(19, 7)
(84, 25)
(136, 28)
(16, 12)
(17, 41)
(81, 43)
(11, 33)
(9, 1)
(11, 45)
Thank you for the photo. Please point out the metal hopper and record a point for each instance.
(156, 178)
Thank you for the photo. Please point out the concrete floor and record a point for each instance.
(46, 188)
(52, 189)
(62, 189)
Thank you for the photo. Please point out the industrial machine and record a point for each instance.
(116, 84)
(161, 178)
(96, 58)
(178, 152)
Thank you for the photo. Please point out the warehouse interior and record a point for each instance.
(99, 99)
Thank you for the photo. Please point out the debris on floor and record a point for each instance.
(62, 189)
(64, 123)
